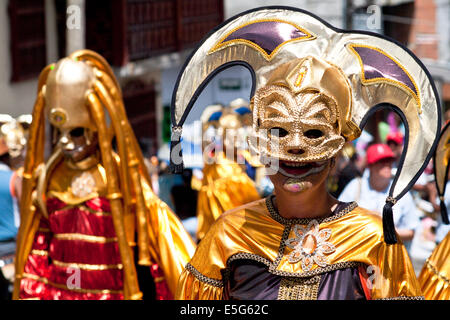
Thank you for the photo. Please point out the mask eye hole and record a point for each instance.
(77, 132)
(279, 132)
(313, 134)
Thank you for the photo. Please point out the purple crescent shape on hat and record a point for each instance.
(378, 65)
(267, 35)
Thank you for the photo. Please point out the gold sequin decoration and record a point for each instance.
(292, 288)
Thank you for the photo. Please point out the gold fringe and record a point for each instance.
(86, 266)
(83, 237)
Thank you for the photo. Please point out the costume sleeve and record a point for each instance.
(36, 271)
(223, 194)
(170, 244)
(192, 286)
(435, 274)
(393, 276)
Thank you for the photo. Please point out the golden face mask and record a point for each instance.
(224, 125)
(296, 115)
(13, 134)
(66, 89)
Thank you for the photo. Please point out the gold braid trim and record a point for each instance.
(42, 253)
(213, 282)
(85, 209)
(403, 298)
(84, 237)
(299, 288)
(85, 266)
(64, 287)
(440, 275)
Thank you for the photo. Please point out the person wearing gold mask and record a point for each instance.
(11, 146)
(314, 88)
(91, 226)
(434, 277)
(225, 184)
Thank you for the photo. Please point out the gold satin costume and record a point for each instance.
(225, 186)
(80, 91)
(435, 275)
(257, 232)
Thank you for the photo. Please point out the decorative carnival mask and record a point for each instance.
(317, 85)
(66, 107)
(13, 134)
(224, 127)
(441, 167)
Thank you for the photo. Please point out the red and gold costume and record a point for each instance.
(90, 227)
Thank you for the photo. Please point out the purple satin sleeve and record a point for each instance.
(250, 280)
(343, 284)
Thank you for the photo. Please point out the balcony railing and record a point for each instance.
(130, 30)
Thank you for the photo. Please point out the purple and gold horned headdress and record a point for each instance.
(324, 81)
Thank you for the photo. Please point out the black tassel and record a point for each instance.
(176, 156)
(444, 213)
(390, 236)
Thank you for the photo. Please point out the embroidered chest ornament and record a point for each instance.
(310, 245)
(314, 88)
(83, 185)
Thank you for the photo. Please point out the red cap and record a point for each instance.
(377, 152)
(396, 137)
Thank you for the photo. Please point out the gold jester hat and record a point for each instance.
(441, 167)
(317, 85)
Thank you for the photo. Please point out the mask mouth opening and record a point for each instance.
(300, 169)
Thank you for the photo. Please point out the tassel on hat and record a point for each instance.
(390, 236)
(444, 213)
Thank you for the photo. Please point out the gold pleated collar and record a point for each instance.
(304, 221)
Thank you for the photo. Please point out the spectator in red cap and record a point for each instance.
(395, 141)
(371, 190)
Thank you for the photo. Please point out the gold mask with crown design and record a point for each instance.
(296, 115)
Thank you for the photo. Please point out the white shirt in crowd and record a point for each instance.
(406, 215)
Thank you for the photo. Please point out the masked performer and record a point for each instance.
(11, 144)
(435, 275)
(225, 184)
(315, 87)
(91, 226)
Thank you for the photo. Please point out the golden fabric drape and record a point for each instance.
(225, 186)
(435, 275)
(252, 232)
